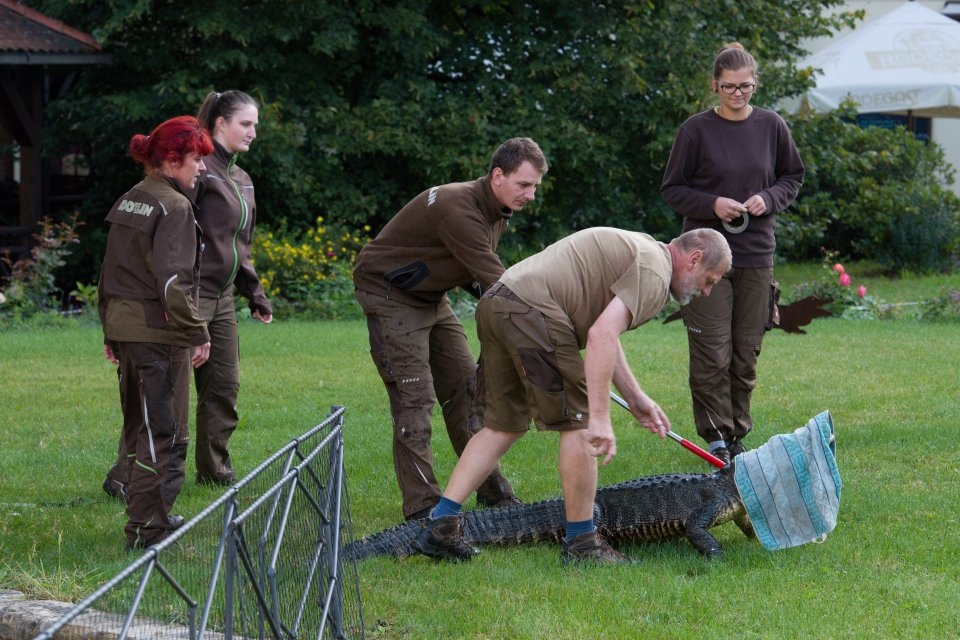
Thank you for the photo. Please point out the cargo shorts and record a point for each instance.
(532, 367)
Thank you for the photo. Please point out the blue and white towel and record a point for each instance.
(791, 485)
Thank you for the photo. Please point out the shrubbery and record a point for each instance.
(308, 276)
(309, 273)
(871, 194)
(31, 289)
(852, 300)
(943, 308)
(835, 283)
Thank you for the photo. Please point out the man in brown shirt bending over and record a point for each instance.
(577, 295)
(444, 238)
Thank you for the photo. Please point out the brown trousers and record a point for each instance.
(218, 386)
(724, 334)
(155, 400)
(422, 356)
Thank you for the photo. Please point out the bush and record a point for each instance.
(944, 308)
(836, 284)
(32, 288)
(923, 239)
(309, 274)
(871, 193)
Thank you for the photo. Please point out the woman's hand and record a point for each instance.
(755, 205)
(200, 355)
(728, 209)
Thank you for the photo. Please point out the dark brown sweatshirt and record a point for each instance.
(444, 238)
(714, 157)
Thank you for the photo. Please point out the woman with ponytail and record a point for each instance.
(227, 212)
(732, 168)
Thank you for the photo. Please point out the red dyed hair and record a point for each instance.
(172, 140)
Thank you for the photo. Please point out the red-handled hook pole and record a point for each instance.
(686, 444)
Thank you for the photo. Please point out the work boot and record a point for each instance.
(139, 544)
(443, 539)
(735, 447)
(591, 547)
(217, 479)
(420, 515)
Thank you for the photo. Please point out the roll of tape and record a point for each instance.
(738, 228)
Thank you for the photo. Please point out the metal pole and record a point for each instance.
(686, 444)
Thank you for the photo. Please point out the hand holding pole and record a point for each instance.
(686, 444)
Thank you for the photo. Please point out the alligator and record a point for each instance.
(643, 509)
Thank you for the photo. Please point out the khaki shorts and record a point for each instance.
(532, 367)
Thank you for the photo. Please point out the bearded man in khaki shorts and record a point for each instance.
(579, 293)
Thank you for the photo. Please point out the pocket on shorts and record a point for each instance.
(546, 384)
(541, 368)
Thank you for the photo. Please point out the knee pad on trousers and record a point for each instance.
(414, 410)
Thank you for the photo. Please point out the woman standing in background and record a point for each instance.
(732, 168)
(227, 213)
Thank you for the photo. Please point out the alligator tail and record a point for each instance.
(397, 541)
(536, 522)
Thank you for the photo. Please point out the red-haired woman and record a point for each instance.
(152, 329)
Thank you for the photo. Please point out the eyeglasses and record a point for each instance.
(745, 89)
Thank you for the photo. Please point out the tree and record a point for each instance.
(364, 103)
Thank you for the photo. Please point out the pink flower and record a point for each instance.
(861, 291)
(844, 279)
(838, 268)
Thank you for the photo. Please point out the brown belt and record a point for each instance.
(503, 291)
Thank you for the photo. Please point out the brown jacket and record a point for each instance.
(444, 238)
(227, 212)
(148, 282)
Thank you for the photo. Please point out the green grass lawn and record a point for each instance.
(890, 569)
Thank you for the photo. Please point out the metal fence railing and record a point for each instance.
(262, 561)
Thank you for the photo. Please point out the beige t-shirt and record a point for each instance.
(574, 279)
